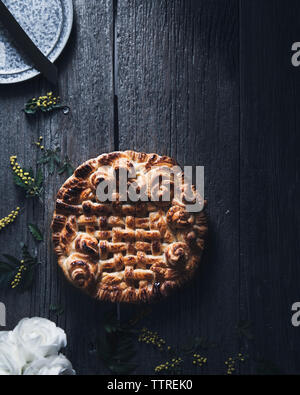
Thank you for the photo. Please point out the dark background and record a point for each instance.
(209, 82)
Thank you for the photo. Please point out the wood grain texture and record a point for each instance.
(86, 86)
(178, 93)
(270, 179)
(210, 83)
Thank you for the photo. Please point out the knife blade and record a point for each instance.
(22, 40)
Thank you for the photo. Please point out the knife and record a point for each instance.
(39, 60)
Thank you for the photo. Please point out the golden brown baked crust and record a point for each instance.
(124, 251)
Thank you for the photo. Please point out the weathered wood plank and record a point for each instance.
(269, 179)
(178, 85)
(179, 95)
(86, 86)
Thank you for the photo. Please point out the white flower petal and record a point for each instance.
(11, 360)
(4, 335)
(38, 337)
(52, 366)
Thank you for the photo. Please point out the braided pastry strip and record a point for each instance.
(124, 251)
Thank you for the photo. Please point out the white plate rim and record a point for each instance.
(34, 73)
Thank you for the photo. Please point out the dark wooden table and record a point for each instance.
(209, 82)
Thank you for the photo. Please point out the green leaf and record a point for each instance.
(30, 171)
(116, 348)
(56, 159)
(33, 189)
(5, 267)
(30, 111)
(28, 275)
(14, 261)
(6, 278)
(39, 178)
(57, 309)
(36, 233)
(67, 167)
(27, 257)
(18, 181)
(51, 167)
(8, 271)
(27, 280)
(51, 158)
(43, 160)
(265, 367)
(30, 107)
(244, 329)
(124, 368)
(195, 343)
(43, 104)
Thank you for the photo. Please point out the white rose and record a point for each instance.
(11, 360)
(52, 366)
(4, 336)
(38, 338)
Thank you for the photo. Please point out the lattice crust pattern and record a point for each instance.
(125, 251)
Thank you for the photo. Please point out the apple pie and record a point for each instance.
(124, 250)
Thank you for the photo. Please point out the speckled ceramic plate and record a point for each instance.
(47, 22)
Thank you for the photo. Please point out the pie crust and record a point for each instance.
(123, 251)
